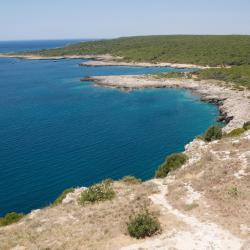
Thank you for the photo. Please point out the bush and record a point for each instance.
(98, 192)
(172, 162)
(235, 132)
(10, 218)
(213, 133)
(143, 225)
(131, 180)
(246, 125)
(62, 196)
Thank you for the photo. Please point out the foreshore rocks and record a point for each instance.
(86, 79)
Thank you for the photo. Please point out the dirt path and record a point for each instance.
(200, 236)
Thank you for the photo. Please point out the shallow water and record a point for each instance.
(57, 132)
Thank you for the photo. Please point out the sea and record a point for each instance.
(57, 132)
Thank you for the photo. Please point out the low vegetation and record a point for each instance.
(143, 225)
(98, 192)
(246, 125)
(131, 180)
(235, 132)
(175, 75)
(62, 196)
(196, 49)
(10, 218)
(238, 131)
(213, 133)
(239, 75)
(172, 162)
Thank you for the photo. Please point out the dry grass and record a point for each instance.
(208, 189)
(71, 226)
(225, 199)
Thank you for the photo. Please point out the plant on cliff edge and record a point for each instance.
(10, 218)
(246, 125)
(213, 133)
(131, 180)
(98, 192)
(143, 225)
(172, 162)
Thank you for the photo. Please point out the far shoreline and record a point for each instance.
(103, 60)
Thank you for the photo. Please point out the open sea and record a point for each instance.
(57, 132)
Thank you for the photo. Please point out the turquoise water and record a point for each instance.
(57, 132)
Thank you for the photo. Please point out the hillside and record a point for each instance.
(203, 205)
(187, 49)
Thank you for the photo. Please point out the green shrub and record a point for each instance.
(62, 196)
(143, 225)
(131, 180)
(213, 133)
(246, 125)
(235, 132)
(10, 218)
(172, 162)
(98, 192)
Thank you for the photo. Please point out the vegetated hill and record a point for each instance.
(194, 49)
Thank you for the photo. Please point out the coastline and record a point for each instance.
(67, 218)
(234, 105)
(99, 63)
(104, 60)
(37, 57)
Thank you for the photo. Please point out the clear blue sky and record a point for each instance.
(55, 19)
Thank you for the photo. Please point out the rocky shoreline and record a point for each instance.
(38, 57)
(99, 63)
(102, 60)
(234, 105)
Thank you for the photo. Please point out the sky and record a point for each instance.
(61, 19)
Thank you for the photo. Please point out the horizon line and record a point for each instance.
(107, 38)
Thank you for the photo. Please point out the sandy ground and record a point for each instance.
(234, 104)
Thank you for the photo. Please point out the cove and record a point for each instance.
(57, 132)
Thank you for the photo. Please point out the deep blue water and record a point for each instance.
(57, 132)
